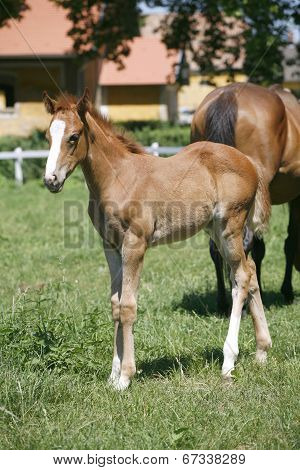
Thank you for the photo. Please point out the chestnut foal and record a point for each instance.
(138, 201)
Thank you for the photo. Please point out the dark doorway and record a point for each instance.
(9, 94)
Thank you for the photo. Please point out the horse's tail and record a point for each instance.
(220, 119)
(260, 212)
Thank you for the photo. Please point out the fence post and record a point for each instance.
(154, 149)
(18, 166)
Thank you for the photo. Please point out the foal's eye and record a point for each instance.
(73, 138)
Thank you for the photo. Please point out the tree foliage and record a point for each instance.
(219, 35)
(255, 32)
(11, 9)
(102, 27)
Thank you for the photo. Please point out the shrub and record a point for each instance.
(32, 168)
(166, 134)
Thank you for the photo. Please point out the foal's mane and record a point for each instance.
(67, 102)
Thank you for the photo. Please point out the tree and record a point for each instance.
(234, 29)
(102, 27)
(11, 9)
(216, 33)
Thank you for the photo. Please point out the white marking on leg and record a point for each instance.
(115, 371)
(122, 384)
(57, 130)
(231, 348)
(118, 355)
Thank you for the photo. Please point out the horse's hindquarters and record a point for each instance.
(284, 188)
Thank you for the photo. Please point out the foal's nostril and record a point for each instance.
(50, 179)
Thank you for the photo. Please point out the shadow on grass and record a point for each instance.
(204, 305)
(213, 356)
(164, 366)
(273, 298)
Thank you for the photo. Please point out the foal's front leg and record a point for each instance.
(114, 261)
(133, 251)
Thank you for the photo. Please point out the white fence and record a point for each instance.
(18, 155)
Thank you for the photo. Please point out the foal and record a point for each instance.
(138, 201)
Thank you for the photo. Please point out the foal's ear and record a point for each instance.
(49, 103)
(83, 103)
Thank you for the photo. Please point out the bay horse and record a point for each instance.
(265, 125)
(137, 201)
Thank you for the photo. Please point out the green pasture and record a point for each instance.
(56, 340)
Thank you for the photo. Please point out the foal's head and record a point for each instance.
(67, 136)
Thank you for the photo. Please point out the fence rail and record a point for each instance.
(18, 155)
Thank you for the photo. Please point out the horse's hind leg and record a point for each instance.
(290, 248)
(258, 253)
(222, 303)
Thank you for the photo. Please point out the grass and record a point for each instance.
(56, 336)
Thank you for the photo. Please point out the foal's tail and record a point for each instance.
(220, 119)
(260, 211)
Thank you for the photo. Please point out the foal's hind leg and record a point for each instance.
(263, 338)
(133, 251)
(222, 303)
(231, 244)
(257, 248)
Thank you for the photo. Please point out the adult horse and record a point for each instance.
(264, 124)
(138, 201)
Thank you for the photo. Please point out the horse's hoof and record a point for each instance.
(288, 296)
(223, 307)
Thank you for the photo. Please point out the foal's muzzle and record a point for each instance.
(53, 184)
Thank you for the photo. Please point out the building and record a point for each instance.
(145, 88)
(35, 56)
(292, 71)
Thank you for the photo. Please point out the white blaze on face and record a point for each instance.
(57, 130)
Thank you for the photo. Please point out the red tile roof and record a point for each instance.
(43, 30)
(148, 63)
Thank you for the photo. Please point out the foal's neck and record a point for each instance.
(102, 163)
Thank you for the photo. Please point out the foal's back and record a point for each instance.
(202, 171)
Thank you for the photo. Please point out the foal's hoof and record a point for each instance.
(113, 380)
(120, 384)
(227, 379)
(261, 356)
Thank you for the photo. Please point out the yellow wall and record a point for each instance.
(26, 118)
(29, 81)
(292, 85)
(2, 100)
(132, 102)
(190, 96)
